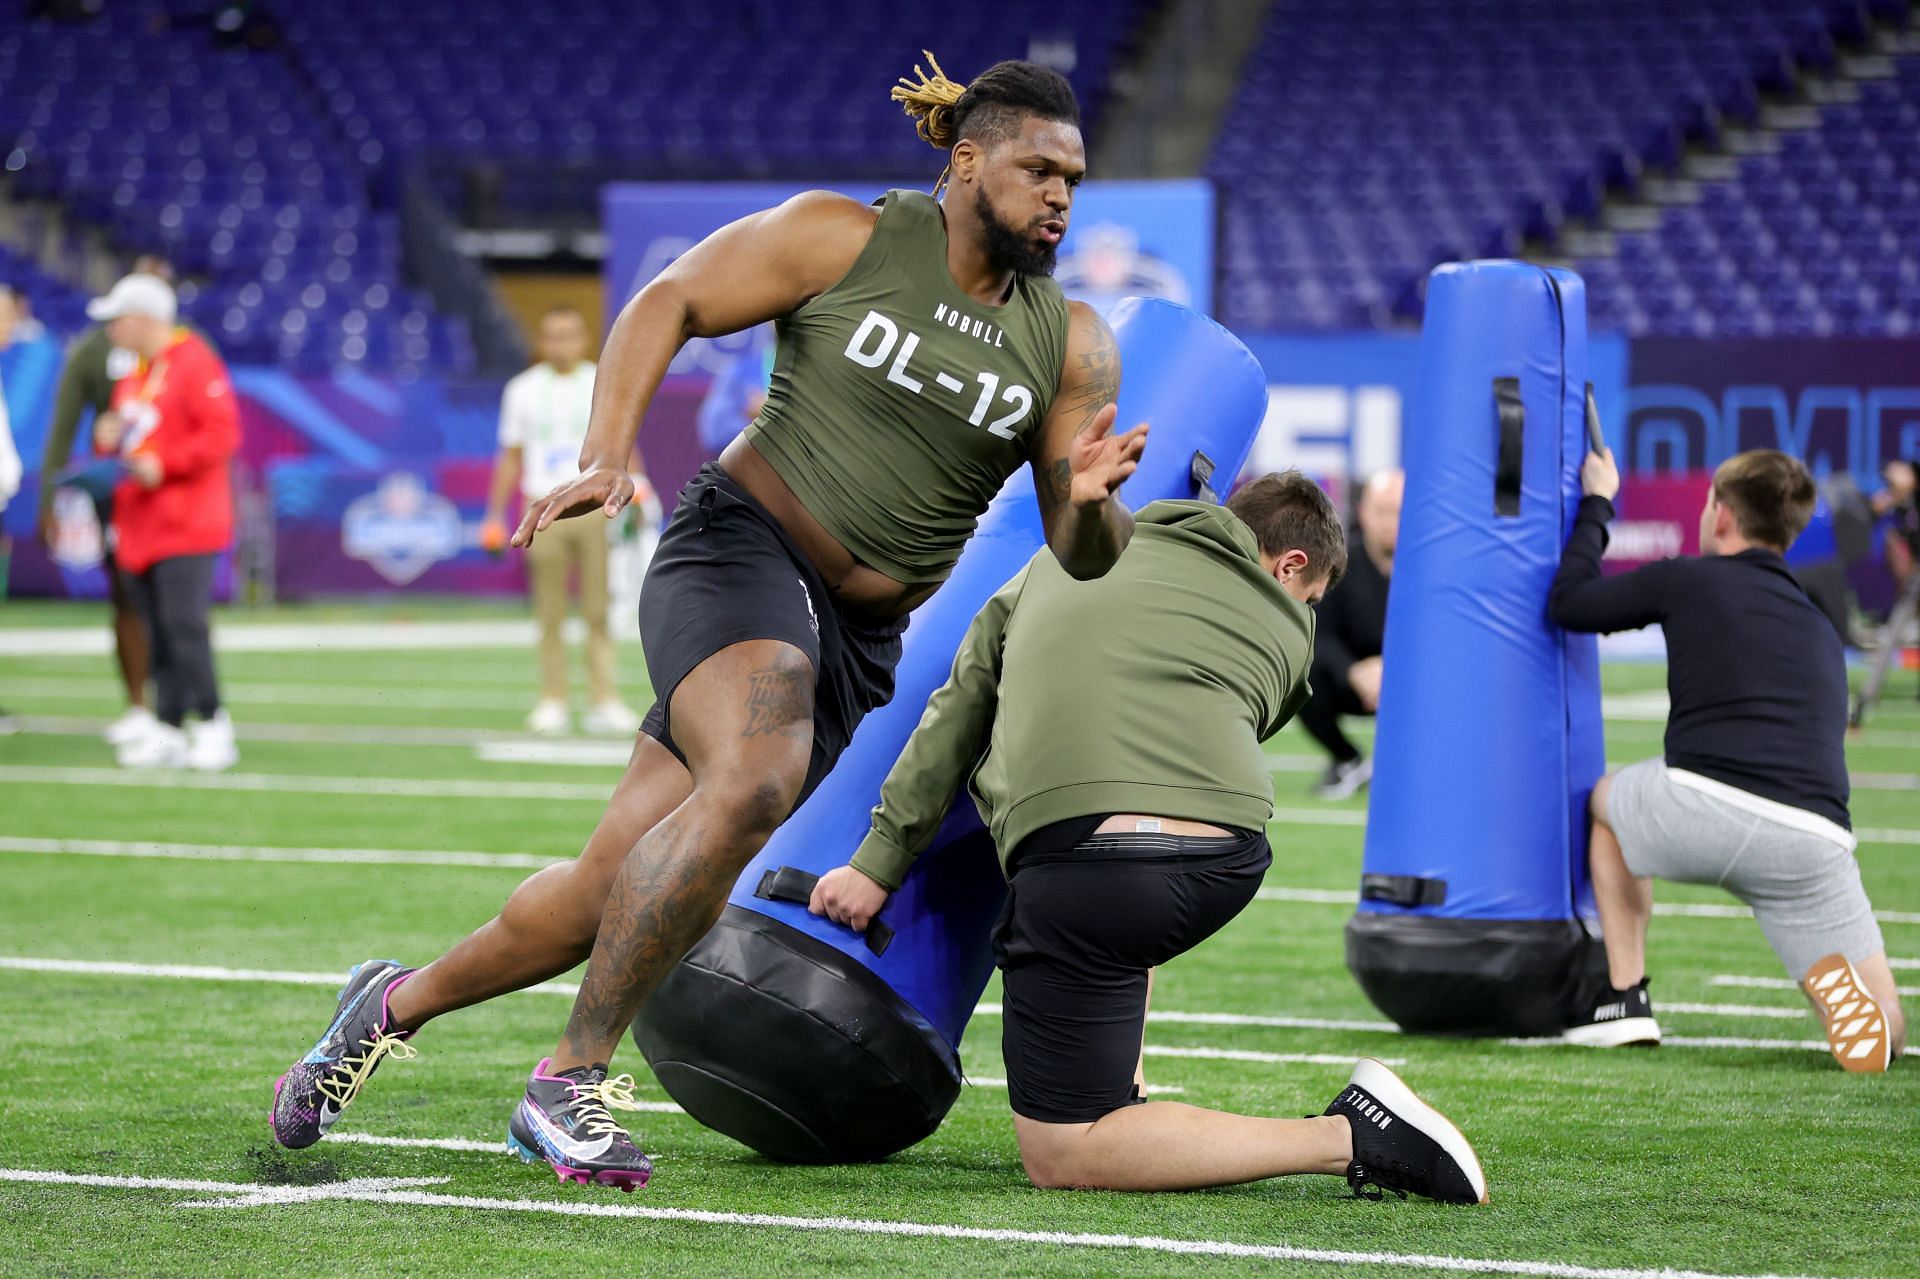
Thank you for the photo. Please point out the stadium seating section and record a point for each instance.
(1368, 141)
(1372, 139)
(271, 175)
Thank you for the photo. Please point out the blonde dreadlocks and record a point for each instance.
(944, 112)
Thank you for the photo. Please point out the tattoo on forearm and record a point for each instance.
(1100, 373)
(779, 700)
(1052, 484)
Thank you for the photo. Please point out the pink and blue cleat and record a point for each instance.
(566, 1119)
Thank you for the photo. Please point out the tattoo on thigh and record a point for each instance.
(779, 700)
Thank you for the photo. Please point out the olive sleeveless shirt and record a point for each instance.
(899, 405)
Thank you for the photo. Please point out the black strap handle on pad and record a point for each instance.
(1203, 468)
(788, 884)
(1513, 426)
(1596, 438)
(1403, 890)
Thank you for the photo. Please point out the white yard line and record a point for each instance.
(589, 754)
(1903, 963)
(199, 972)
(1685, 910)
(340, 734)
(206, 972)
(388, 1191)
(296, 637)
(48, 775)
(1786, 983)
(1692, 1041)
(1237, 1019)
(255, 853)
(242, 694)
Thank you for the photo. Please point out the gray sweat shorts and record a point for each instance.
(1794, 868)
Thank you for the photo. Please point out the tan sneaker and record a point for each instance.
(1856, 1028)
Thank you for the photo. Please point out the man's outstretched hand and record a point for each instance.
(605, 488)
(1101, 461)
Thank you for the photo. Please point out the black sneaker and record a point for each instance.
(310, 1096)
(1402, 1144)
(567, 1120)
(1616, 1019)
(1344, 778)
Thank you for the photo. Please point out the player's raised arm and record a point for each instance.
(763, 266)
(1078, 462)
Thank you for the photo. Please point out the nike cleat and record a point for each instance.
(1402, 1144)
(567, 1120)
(309, 1098)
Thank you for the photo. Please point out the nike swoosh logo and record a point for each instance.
(329, 1115)
(564, 1144)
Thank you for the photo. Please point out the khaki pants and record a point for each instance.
(579, 543)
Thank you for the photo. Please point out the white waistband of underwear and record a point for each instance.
(1771, 809)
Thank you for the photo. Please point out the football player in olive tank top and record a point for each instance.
(924, 356)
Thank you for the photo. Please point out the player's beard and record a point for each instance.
(1008, 247)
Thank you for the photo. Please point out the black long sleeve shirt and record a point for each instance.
(1352, 619)
(1755, 674)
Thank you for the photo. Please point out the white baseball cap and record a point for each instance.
(136, 294)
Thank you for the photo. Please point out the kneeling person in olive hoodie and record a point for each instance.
(1110, 734)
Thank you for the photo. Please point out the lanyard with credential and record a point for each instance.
(141, 423)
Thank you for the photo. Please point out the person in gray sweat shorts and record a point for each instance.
(1752, 793)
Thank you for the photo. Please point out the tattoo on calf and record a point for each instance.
(664, 899)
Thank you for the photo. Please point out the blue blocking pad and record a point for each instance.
(1475, 887)
(810, 1042)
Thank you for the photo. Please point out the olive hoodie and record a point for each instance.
(1147, 690)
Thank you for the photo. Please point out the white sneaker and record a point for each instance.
(162, 746)
(210, 746)
(614, 718)
(1344, 780)
(549, 718)
(132, 724)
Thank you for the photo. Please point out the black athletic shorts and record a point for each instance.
(725, 572)
(1081, 927)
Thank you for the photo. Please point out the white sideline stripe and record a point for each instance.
(507, 789)
(1238, 1019)
(296, 637)
(326, 734)
(1903, 963)
(204, 972)
(256, 853)
(365, 1192)
(192, 972)
(1690, 1041)
(1343, 1060)
(1786, 983)
(289, 782)
(1319, 817)
(244, 693)
(1733, 1010)
(281, 976)
(1688, 910)
(419, 1143)
(601, 754)
(1153, 1090)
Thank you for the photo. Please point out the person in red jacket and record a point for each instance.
(175, 426)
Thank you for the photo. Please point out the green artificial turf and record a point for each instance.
(1727, 1160)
